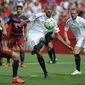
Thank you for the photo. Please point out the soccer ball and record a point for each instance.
(50, 23)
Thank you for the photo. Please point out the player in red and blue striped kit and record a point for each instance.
(18, 33)
(7, 53)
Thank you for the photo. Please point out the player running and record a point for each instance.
(16, 34)
(7, 53)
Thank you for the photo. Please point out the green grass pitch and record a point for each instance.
(59, 73)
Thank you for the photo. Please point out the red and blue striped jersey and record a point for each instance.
(1, 31)
(16, 28)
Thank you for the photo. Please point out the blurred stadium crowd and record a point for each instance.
(61, 8)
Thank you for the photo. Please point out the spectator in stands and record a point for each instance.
(82, 7)
(50, 2)
(11, 4)
(82, 14)
(64, 4)
(36, 7)
(7, 11)
(63, 17)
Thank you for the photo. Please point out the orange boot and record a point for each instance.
(18, 80)
(7, 64)
(23, 65)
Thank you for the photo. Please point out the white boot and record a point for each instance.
(76, 72)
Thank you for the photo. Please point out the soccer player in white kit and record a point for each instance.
(77, 25)
(36, 37)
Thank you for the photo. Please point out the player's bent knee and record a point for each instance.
(76, 52)
(15, 56)
(50, 45)
(38, 53)
(21, 47)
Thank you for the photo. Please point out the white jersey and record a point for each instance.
(37, 30)
(77, 26)
(38, 23)
(1, 20)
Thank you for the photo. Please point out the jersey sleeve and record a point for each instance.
(56, 29)
(36, 16)
(32, 18)
(25, 18)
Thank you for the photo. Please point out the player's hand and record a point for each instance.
(23, 22)
(68, 42)
(71, 49)
(25, 39)
(53, 35)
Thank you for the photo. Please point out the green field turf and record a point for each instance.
(59, 73)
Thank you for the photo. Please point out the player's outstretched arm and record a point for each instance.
(25, 21)
(57, 35)
(66, 38)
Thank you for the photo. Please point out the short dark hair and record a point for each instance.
(19, 6)
(46, 6)
(72, 9)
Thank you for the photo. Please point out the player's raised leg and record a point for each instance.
(15, 56)
(15, 65)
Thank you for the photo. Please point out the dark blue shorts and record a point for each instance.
(48, 38)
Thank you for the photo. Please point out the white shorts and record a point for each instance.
(33, 39)
(81, 44)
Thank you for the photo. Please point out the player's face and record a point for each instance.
(19, 10)
(48, 11)
(74, 14)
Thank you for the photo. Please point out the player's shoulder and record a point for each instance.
(24, 17)
(80, 18)
(12, 15)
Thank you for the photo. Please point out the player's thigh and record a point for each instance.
(50, 45)
(79, 46)
(48, 35)
(15, 55)
(77, 50)
(48, 42)
(20, 43)
(33, 39)
(11, 42)
(6, 52)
